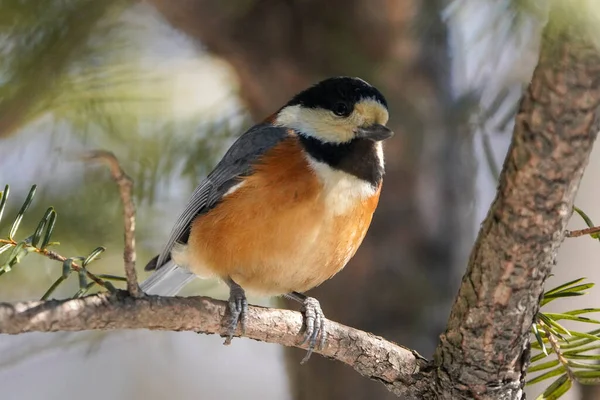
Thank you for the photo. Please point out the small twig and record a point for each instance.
(125, 187)
(582, 232)
(57, 257)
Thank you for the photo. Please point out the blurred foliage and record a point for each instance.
(42, 44)
(85, 74)
(81, 64)
(39, 242)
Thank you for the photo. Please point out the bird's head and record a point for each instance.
(337, 110)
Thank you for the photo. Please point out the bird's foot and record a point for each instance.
(314, 323)
(314, 320)
(238, 310)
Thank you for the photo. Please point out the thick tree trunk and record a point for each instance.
(403, 270)
(484, 352)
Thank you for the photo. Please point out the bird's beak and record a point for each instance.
(375, 132)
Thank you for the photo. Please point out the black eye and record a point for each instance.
(341, 109)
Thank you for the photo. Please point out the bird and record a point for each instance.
(287, 206)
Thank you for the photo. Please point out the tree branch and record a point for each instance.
(582, 232)
(372, 356)
(125, 184)
(484, 352)
(52, 255)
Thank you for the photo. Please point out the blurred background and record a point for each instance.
(167, 85)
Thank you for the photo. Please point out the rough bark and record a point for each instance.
(278, 48)
(485, 350)
(370, 355)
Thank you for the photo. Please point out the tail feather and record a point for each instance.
(168, 280)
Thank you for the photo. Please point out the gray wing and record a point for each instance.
(237, 162)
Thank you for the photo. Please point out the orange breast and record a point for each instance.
(275, 233)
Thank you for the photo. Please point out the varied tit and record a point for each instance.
(287, 206)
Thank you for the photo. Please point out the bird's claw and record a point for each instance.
(238, 310)
(314, 320)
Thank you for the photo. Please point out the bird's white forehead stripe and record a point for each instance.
(315, 122)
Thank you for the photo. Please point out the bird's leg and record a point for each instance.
(238, 309)
(314, 320)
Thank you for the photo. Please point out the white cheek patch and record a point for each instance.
(318, 123)
(342, 191)
(328, 128)
(290, 117)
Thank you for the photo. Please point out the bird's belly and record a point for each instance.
(276, 250)
(296, 257)
(282, 229)
(272, 247)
